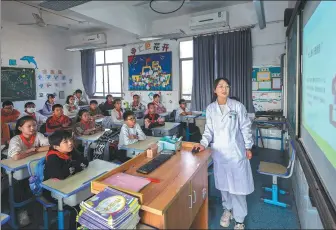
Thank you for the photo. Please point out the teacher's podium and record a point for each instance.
(180, 200)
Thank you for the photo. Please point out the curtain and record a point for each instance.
(88, 67)
(204, 72)
(231, 57)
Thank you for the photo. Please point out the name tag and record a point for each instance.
(233, 114)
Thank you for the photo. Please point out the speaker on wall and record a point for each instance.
(287, 16)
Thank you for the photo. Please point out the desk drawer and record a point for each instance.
(162, 133)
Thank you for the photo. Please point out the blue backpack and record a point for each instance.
(36, 180)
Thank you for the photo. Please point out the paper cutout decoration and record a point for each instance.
(64, 84)
(44, 71)
(70, 81)
(56, 85)
(41, 94)
(29, 59)
(48, 84)
(55, 77)
(52, 72)
(64, 78)
(12, 62)
(41, 86)
(48, 77)
(59, 72)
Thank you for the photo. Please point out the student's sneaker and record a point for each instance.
(226, 218)
(239, 226)
(23, 218)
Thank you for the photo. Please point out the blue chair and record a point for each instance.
(34, 169)
(277, 170)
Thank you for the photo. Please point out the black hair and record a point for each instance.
(108, 95)
(80, 114)
(56, 106)
(235, 98)
(93, 102)
(67, 101)
(49, 96)
(21, 122)
(28, 104)
(149, 104)
(6, 103)
(156, 95)
(127, 114)
(182, 101)
(78, 91)
(116, 100)
(136, 95)
(58, 136)
(215, 84)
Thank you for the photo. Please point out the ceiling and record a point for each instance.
(134, 17)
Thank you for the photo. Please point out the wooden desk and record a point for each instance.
(169, 129)
(180, 200)
(140, 146)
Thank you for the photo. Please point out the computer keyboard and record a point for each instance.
(154, 164)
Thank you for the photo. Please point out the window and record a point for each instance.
(109, 72)
(186, 68)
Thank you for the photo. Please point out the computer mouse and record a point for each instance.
(195, 150)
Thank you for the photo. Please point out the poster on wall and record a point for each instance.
(266, 79)
(150, 72)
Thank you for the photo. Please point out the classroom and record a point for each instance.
(181, 114)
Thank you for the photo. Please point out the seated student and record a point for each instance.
(30, 110)
(158, 106)
(152, 119)
(182, 111)
(58, 120)
(136, 104)
(131, 131)
(70, 109)
(26, 143)
(62, 161)
(8, 113)
(117, 113)
(94, 110)
(79, 99)
(108, 105)
(85, 124)
(47, 108)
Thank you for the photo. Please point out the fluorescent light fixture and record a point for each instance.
(84, 47)
(145, 39)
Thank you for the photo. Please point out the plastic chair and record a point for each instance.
(277, 170)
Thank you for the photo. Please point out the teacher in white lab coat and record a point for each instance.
(228, 132)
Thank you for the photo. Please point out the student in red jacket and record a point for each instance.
(58, 121)
(8, 113)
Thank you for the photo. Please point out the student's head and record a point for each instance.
(93, 105)
(61, 141)
(151, 108)
(156, 98)
(117, 104)
(136, 98)
(7, 106)
(83, 115)
(235, 98)
(221, 88)
(26, 125)
(51, 98)
(109, 98)
(57, 110)
(78, 93)
(30, 107)
(70, 100)
(182, 103)
(129, 119)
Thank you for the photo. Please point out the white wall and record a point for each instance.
(48, 49)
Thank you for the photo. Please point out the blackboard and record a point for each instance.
(291, 76)
(18, 84)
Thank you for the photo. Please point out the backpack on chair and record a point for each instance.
(36, 176)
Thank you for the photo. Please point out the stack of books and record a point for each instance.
(109, 209)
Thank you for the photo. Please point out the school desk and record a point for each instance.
(168, 129)
(88, 139)
(99, 120)
(63, 189)
(140, 146)
(180, 200)
(12, 166)
(4, 218)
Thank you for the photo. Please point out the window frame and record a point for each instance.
(180, 63)
(107, 64)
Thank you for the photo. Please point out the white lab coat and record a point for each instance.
(230, 135)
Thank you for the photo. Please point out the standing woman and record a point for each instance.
(228, 130)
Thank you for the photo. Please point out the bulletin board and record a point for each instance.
(267, 79)
(150, 72)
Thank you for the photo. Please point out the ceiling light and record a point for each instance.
(145, 39)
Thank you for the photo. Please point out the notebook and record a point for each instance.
(126, 181)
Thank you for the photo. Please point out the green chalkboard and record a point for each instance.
(18, 84)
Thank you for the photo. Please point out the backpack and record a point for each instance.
(36, 180)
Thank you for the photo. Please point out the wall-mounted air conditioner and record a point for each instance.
(209, 21)
(93, 41)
